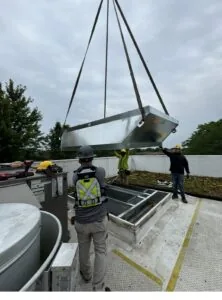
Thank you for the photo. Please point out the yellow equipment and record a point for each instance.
(44, 165)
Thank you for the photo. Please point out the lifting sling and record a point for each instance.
(138, 98)
(80, 71)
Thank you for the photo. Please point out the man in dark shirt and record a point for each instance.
(178, 163)
(91, 221)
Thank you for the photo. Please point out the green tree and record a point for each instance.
(207, 139)
(19, 123)
(53, 142)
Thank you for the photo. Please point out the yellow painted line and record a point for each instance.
(177, 268)
(138, 267)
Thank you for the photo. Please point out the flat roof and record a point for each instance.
(181, 252)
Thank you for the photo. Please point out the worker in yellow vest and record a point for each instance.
(123, 166)
(91, 219)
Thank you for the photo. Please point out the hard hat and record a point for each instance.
(178, 146)
(123, 150)
(85, 152)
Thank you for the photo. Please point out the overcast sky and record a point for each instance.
(42, 44)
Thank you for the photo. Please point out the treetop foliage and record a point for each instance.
(21, 137)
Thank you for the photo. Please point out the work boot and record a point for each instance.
(175, 197)
(107, 289)
(84, 278)
(184, 200)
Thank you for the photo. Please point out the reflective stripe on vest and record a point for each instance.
(88, 192)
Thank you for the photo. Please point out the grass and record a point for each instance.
(207, 186)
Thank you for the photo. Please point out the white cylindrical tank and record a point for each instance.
(19, 244)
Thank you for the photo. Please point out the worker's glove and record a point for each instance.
(188, 176)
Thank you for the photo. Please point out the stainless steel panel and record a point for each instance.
(122, 130)
(17, 193)
(140, 210)
(50, 241)
(131, 205)
(57, 186)
(116, 207)
(65, 267)
(38, 188)
(19, 244)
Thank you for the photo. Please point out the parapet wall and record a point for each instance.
(200, 165)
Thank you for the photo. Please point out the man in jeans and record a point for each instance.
(91, 218)
(178, 163)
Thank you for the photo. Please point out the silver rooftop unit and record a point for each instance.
(20, 226)
(122, 130)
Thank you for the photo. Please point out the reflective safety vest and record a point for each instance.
(123, 160)
(88, 191)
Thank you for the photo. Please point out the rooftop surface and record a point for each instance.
(180, 252)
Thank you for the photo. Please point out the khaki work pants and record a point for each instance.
(97, 232)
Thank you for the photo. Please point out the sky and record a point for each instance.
(42, 44)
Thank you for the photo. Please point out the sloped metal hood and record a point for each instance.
(120, 131)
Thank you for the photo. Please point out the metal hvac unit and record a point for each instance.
(19, 244)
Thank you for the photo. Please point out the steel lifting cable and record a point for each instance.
(106, 58)
(80, 71)
(130, 67)
(141, 57)
(106, 61)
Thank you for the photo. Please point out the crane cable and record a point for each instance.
(106, 57)
(141, 57)
(130, 66)
(80, 71)
(115, 3)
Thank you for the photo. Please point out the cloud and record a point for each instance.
(43, 44)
